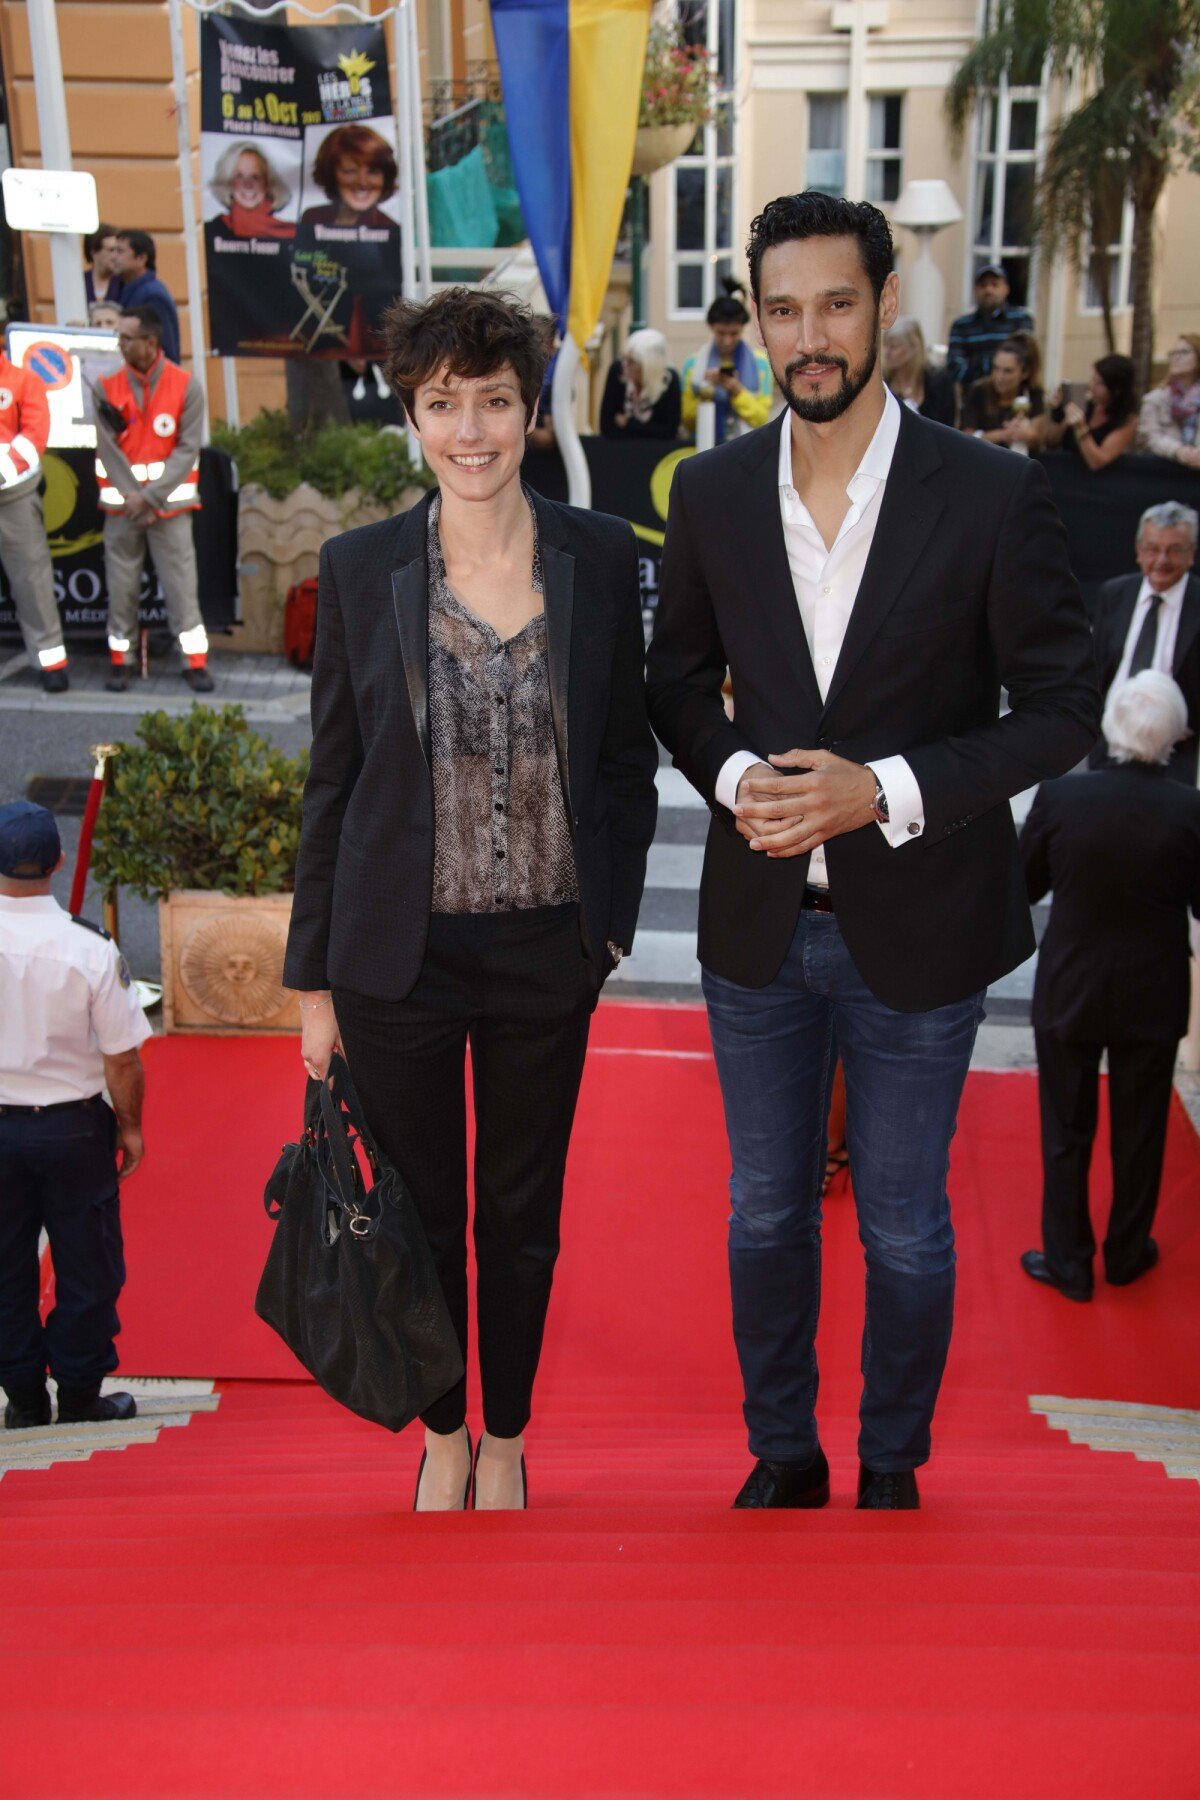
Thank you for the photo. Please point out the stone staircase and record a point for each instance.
(1166, 1435)
(160, 1403)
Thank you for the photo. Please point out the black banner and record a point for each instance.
(299, 179)
(75, 533)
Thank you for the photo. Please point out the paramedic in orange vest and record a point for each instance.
(24, 429)
(149, 427)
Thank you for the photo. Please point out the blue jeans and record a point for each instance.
(776, 1049)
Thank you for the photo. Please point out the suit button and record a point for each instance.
(577, 821)
(913, 828)
(823, 743)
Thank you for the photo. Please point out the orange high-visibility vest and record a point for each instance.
(150, 435)
(24, 422)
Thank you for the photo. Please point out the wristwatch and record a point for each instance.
(615, 951)
(879, 806)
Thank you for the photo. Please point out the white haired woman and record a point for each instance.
(251, 192)
(1120, 847)
(641, 395)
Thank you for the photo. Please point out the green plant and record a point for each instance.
(678, 83)
(271, 454)
(200, 802)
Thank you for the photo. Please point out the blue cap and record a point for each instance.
(28, 835)
(991, 268)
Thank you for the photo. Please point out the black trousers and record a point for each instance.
(1139, 1096)
(516, 987)
(58, 1171)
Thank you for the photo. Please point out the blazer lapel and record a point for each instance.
(558, 598)
(908, 513)
(1189, 623)
(762, 527)
(410, 603)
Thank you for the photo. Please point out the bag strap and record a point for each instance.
(351, 1195)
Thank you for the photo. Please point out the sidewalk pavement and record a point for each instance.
(269, 688)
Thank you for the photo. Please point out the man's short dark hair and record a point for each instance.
(95, 240)
(809, 215)
(147, 318)
(141, 243)
(467, 331)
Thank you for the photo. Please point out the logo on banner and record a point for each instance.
(347, 95)
(164, 424)
(6, 399)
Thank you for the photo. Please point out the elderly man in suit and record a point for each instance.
(1152, 621)
(1120, 847)
(869, 579)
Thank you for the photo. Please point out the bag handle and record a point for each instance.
(351, 1194)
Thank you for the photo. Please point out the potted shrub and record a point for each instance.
(678, 87)
(203, 814)
(295, 489)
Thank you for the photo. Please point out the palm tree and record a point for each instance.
(1130, 75)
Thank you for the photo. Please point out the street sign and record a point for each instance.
(50, 200)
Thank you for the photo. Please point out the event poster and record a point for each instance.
(299, 179)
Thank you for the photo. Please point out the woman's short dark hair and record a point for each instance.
(1116, 372)
(811, 214)
(365, 146)
(468, 331)
(729, 308)
(95, 241)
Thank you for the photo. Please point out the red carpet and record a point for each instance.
(248, 1608)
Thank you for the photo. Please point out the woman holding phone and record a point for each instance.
(476, 822)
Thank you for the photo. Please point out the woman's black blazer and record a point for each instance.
(364, 875)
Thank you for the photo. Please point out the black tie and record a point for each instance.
(1147, 639)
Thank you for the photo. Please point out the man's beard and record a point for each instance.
(826, 407)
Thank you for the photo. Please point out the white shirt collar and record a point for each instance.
(877, 458)
(1172, 595)
(29, 903)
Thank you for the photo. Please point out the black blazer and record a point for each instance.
(1121, 849)
(364, 875)
(966, 588)
(1114, 614)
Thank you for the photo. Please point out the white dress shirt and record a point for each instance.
(1169, 614)
(826, 584)
(66, 1002)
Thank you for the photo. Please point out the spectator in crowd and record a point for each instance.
(976, 336)
(542, 436)
(104, 315)
(101, 255)
(1005, 407)
(1171, 413)
(149, 429)
(1120, 847)
(70, 1026)
(1152, 621)
(1106, 426)
(641, 395)
(728, 371)
(920, 384)
(141, 286)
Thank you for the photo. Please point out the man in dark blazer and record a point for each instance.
(870, 580)
(1152, 621)
(1120, 847)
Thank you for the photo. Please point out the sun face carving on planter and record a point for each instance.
(231, 968)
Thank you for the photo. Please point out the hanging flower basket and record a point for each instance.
(679, 85)
(657, 145)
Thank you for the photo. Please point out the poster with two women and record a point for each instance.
(299, 175)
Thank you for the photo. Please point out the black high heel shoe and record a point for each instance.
(467, 1491)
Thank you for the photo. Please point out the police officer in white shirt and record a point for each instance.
(70, 1025)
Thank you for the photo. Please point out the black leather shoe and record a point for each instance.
(1149, 1258)
(785, 1484)
(90, 1408)
(199, 680)
(890, 1490)
(1038, 1269)
(117, 683)
(27, 1408)
(55, 681)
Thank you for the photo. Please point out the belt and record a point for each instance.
(7, 1107)
(818, 900)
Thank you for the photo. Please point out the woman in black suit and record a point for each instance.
(476, 822)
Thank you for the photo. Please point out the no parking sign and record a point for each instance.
(67, 361)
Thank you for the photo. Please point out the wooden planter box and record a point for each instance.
(222, 963)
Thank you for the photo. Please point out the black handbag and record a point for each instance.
(349, 1282)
